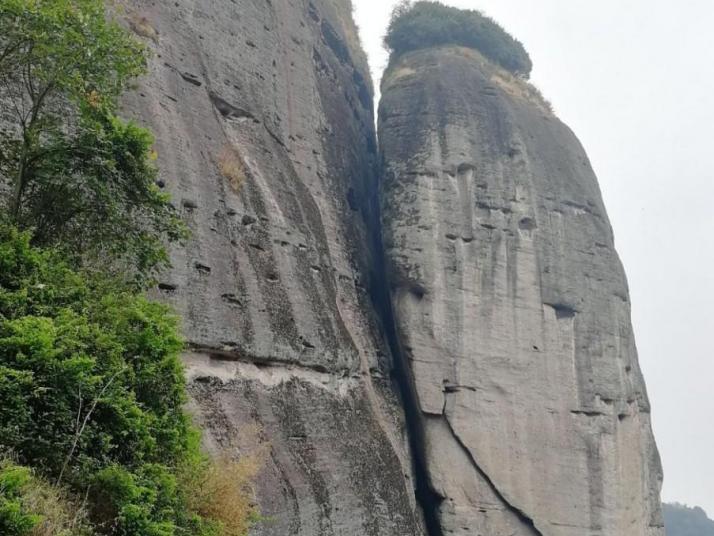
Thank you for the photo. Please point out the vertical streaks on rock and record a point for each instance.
(263, 115)
(511, 308)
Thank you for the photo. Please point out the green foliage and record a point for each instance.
(65, 341)
(79, 176)
(15, 520)
(427, 24)
(30, 506)
(91, 385)
(681, 520)
(92, 392)
(89, 372)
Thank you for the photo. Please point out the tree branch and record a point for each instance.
(79, 432)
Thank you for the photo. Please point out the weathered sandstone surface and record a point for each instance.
(511, 309)
(492, 387)
(265, 133)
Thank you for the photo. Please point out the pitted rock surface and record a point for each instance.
(262, 111)
(510, 304)
(511, 308)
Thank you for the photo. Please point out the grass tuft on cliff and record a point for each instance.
(425, 24)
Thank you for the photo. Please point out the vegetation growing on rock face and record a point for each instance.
(92, 394)
(31, 505)
(79, 177)
(93, 435)
(425, 24)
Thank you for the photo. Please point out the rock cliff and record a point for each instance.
(511, 308)
(265, 134)
(466, 366)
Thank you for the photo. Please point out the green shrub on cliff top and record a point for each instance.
(427, 24)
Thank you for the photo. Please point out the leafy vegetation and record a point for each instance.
(31, 505)
(427, 24)
(93, 435)
(681, 520)
(107, 358)
(80, 177)
(92, 392)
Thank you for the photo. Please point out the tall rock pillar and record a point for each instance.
(511, 308)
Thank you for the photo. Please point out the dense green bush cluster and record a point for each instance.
(92, 392)
(426, 24)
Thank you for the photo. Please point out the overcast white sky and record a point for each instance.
(635, 81)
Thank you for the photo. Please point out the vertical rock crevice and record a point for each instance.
(272, 286)
(426, 496)
(522, 516)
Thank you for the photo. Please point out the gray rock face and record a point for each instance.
(263, 115)
(528, 411)
(511, 308)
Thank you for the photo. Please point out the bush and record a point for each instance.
(90, 373)
(30, 506)
(428, 24)
(92, 394)
(231, 167)
(222, 491)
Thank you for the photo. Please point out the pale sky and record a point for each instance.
(634, 79)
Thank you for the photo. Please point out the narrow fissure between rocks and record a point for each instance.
(427, 498)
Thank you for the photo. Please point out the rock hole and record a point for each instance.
(231, 298)
(191, 79)
(202, 268)
(527, 224)
(465, 167)
(227, 110)
(562, 310)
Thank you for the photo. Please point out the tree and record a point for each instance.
(92, 393)
(78, 176)
(89, 372)
(92, 390)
